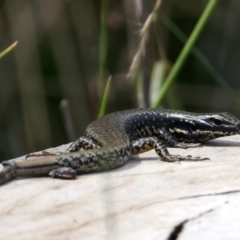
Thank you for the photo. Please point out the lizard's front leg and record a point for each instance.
(169, 139)
(146, 144)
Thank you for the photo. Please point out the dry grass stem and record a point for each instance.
(144, 37)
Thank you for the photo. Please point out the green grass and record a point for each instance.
(9, 49)
(202, 59)
(185, 51)
(102, 58)
(105, 98)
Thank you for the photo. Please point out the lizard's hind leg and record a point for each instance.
(82, 143)
(63, 172)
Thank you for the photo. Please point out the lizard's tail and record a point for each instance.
(6, 174)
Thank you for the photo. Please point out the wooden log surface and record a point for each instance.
(145, 199)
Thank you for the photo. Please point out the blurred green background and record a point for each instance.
(68, 49)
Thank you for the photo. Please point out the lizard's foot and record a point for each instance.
(179, 158)
(187, 145)
(162, 152)
(63, 172)
(42, 154)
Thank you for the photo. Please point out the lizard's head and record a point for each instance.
(210, 126)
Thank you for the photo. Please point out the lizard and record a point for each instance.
(109, 142)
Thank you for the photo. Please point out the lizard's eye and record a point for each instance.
(216, 121)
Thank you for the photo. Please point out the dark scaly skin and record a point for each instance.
(110, 141)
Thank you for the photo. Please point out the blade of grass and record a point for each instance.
(102, 45)
(186, 50)
(9, 49)
(105, 98)
(214, 73)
